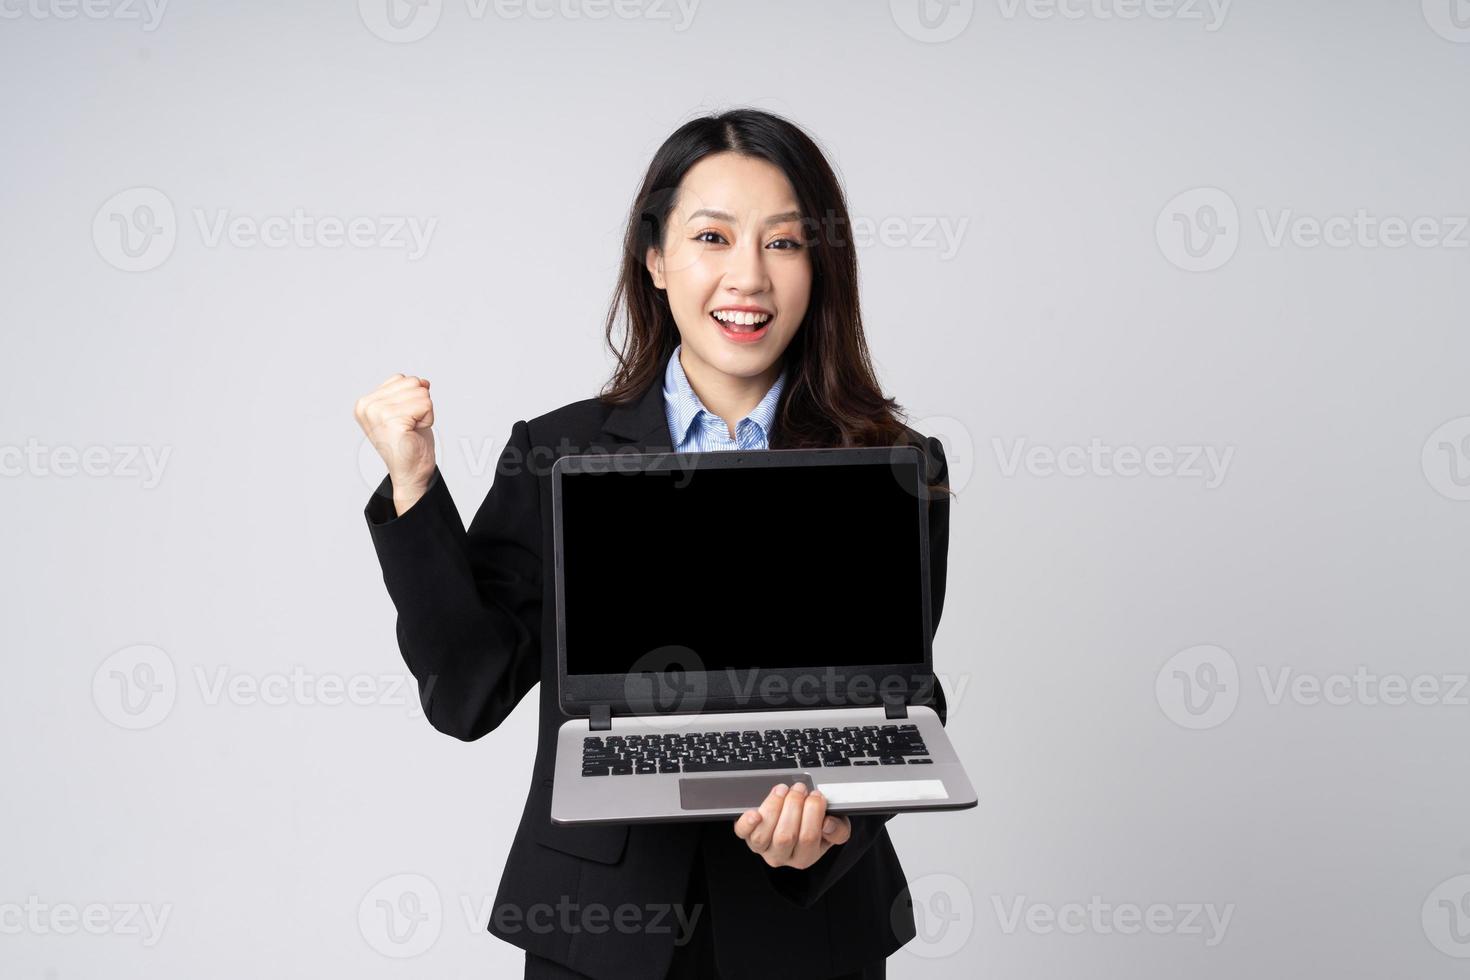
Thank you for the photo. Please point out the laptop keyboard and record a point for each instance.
(774, 748)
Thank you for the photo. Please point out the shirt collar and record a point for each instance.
(685, 406)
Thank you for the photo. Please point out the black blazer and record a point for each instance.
(476, 628)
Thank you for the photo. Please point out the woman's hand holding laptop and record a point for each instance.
(792, 829)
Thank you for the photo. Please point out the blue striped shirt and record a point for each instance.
(694, 428)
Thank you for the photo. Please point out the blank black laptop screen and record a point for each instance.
(749, 567)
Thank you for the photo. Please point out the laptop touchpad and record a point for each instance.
(728, 792)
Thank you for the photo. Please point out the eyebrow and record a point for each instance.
(723, 216)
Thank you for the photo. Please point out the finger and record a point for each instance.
(402, 382)
(770, 809)
(398, 396)
(747, 823)
(836, 830)
(809, 835)
(412, 403)
(783, 839)
(384, 396)
(377, 401)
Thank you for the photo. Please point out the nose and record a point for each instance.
(747, 270)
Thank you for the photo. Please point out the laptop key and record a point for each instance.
(594, 770)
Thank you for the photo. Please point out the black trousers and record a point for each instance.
(693, 960)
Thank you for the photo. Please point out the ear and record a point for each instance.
(654, 260)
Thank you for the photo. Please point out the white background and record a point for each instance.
(1069, 312)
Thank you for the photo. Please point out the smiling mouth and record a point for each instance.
(742, 325)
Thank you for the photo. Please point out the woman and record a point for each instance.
(739, 287)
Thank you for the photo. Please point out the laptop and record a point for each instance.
(729, 620)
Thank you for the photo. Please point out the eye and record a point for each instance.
(780, 244)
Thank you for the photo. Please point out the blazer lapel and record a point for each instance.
(643, 425)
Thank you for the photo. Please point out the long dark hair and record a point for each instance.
(831, 397)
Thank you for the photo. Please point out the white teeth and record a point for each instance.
(745, 319)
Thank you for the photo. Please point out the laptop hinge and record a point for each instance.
(600, 719)
(894, 707)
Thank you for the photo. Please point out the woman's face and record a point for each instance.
(734, 241)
